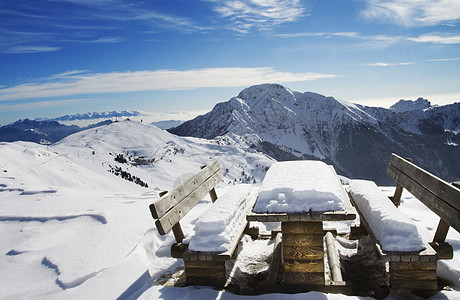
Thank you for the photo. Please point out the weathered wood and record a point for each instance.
(302, 240)
(412, 265)
(253, 232)
(174, 215)
(456, 184)
(396, 198)
(444, 250)
(275, 263)
(212, 192)
(178, 249)
(303, 253)
(315, 266)
(441, 231)
(204, 264)
(205, 273)
(178, 233)
(440, 196)
(415, 285)
(304, 278)
(302, 228)
(413, 275)
(333, 258)
(164, 204)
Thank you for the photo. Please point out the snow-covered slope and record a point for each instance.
(357, 140)
(72, 229)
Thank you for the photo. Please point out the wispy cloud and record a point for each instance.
(366, 41)
(386, 64)
(78, 82)
(31, 49)
(40, 104)
(81, 21)
(444, 59)
(245, 15)
(412, 12)
(437, 38)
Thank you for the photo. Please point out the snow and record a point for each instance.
(392, 228)
(299, 186)
(220, 224)
(69, 229)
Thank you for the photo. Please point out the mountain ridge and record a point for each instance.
(357, 140)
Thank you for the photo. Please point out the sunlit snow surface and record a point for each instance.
(69, 229)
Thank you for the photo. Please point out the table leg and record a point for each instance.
(303, 253)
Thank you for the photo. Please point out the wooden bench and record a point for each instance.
(203, 267)
(417, 270)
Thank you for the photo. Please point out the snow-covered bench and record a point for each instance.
(217, 233)
(412, 260)
(218, 230)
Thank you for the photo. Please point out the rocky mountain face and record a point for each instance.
(357, 140)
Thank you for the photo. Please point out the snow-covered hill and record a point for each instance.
(357, 140)
(71, 227)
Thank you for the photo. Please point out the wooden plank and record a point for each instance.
(450, 214)
(413, 275)
(314, 266)
(178, 233)
(447, 192)
(424, 285)
(302, 253)
(304, 278)
(217, 281)
(204, 264)
(396, 198)
(170, 218)
(275, 263)
(165, 203)
(313, 216)
(441, 231)
(333, 258)
(411, 265)
(310, 228)
(302, 240)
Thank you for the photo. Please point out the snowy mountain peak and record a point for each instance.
(357, 140)
(410, 105)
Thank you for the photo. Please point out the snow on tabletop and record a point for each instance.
(299, 186)
(393, 230)
(218, 226)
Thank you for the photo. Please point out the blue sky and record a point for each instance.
(74, 56)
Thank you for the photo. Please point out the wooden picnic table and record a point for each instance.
(302, 231)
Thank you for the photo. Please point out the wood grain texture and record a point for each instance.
(302, 240)
(302, 227)
(312, 266)
(303, 253)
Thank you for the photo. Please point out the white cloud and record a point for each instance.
(40, 104)
(436, 39)
(78, 83)
(385, 64)
(444, 59)
(413, 12)
(31, 49)
(260, 14)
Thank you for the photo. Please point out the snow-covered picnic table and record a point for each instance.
(301, 195)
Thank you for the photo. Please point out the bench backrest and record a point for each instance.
(171, 207)
(438, 195)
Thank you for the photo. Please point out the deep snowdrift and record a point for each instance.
(70, 228)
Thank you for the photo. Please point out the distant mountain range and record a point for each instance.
(357, 140)
(94, 116)
(42, 132)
